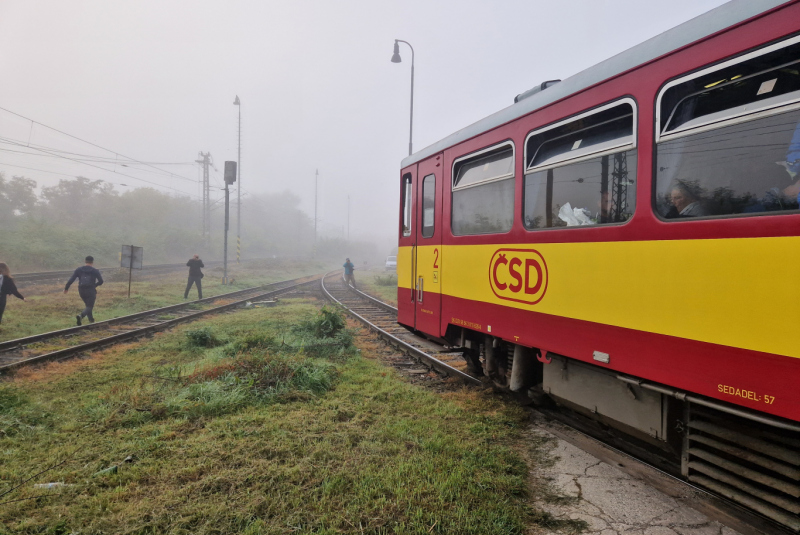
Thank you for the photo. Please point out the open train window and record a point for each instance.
(728, 137)
(483, 191)
(582, 171)
(605, 129)
(407, 200)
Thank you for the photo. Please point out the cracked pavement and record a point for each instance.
(612, 502)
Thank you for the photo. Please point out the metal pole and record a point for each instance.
(348, 218)
(239, 192)
(316, 181)
(225, 253)
(130, 273)
(206, 160)
(411, 126)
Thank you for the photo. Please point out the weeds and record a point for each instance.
(202, 337)
(326, 324)
(386, 280)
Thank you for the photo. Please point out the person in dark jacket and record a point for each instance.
(7, 287)
(195, 276)
(89, 279)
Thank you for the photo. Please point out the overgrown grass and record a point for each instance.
(277, 427)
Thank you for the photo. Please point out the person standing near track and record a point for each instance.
(349, 278)
(7, 287)
(195, 276)
(89, 279)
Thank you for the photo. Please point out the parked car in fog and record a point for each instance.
(391, 263)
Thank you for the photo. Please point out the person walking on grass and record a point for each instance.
(7, 287)
(349, 278)
(89, 279)
(195, 276)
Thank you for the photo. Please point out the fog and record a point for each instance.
(155, 81)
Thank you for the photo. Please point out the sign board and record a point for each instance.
(132, 257)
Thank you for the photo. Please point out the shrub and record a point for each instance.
(202, 338)
(327, 323)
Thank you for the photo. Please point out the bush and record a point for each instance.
(386, 280)
(326, 324)
(202, 338)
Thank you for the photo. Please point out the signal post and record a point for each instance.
(230, 178)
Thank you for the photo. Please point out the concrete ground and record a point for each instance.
(613, 502)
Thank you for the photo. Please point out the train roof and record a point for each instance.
(706, 24)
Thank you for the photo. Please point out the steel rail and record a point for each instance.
(136, 333)
(373, 300)
(19, 342)
(397, 342)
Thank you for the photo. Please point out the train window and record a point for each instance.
(428, 205)
(582, 171)
(407, 200)
(597, 191)
(606, 129)
(483, 192)
(729, 138)
(756, 83)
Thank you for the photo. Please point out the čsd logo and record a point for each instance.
(518, 275)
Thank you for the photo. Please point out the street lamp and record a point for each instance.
(239, 187)
(396, 59)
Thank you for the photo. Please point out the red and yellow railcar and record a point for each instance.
(627, 241)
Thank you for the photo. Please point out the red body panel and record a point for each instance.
(684, 364)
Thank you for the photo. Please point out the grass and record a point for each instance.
(265, 421)
(380, 284)
(48, 309)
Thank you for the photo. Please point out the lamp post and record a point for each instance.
(396, 59)
(239, 187)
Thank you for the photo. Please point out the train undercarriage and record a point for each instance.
(751, 459)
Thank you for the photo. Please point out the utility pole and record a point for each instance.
(205, 161)
(348, 218)
(238, 103)
(316, 181)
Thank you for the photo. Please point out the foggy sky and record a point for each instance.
(155, 80)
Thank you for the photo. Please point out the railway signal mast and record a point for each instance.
(230, 178)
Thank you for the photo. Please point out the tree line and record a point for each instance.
(55, 227)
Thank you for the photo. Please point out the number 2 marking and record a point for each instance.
(436, 260)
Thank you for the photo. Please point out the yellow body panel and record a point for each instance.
(429, 262)
(742, 292)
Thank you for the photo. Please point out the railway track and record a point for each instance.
(381, 318)
(66, 343)
(47, 276)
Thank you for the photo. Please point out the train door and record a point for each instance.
(428, 258)
(406, 250)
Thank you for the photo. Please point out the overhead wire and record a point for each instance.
(123, 174)
(54, 153)
(87, 142)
